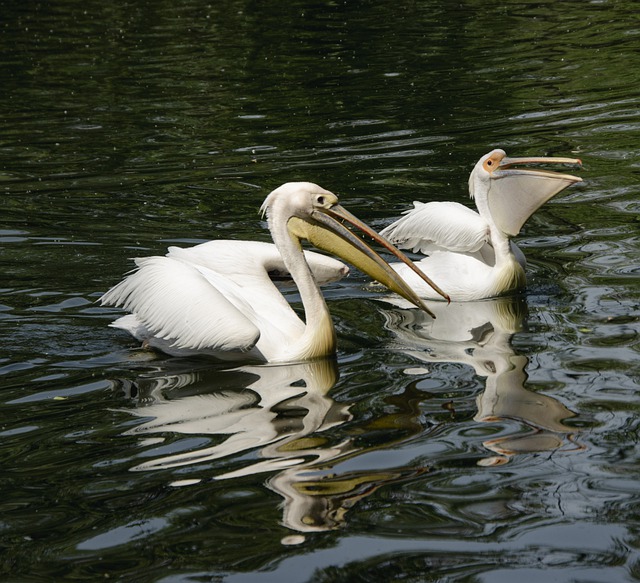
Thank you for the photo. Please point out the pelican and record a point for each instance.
(470, 253)
(218, 298)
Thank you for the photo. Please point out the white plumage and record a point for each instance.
(194, 297)
(219, 298)
(469, 254)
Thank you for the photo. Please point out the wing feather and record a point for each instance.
(439, 225)
(178, 303)
(239, 260)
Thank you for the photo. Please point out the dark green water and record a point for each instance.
(426, 453)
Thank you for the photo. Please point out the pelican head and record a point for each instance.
(314, 214)
(512, 194)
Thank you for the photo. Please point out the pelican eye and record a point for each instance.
(324, 200)
(490, 164)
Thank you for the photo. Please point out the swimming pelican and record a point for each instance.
(470, 254)
(218, 298)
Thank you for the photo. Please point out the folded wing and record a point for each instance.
(177, 303)
(439, 226)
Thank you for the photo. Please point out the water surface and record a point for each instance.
(501, 449)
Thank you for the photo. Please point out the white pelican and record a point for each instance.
(469, 253)
(218, 298)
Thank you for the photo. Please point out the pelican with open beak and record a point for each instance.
(219, 298)
(470, 253)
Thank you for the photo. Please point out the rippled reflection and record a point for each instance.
(279, 411)
(479, 334)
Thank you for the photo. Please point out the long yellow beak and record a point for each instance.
(327, 232)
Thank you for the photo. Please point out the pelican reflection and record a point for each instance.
(259, 419)
(250, 407)
(479, 334)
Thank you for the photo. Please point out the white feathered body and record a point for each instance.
(217, 299)
(463, 256)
